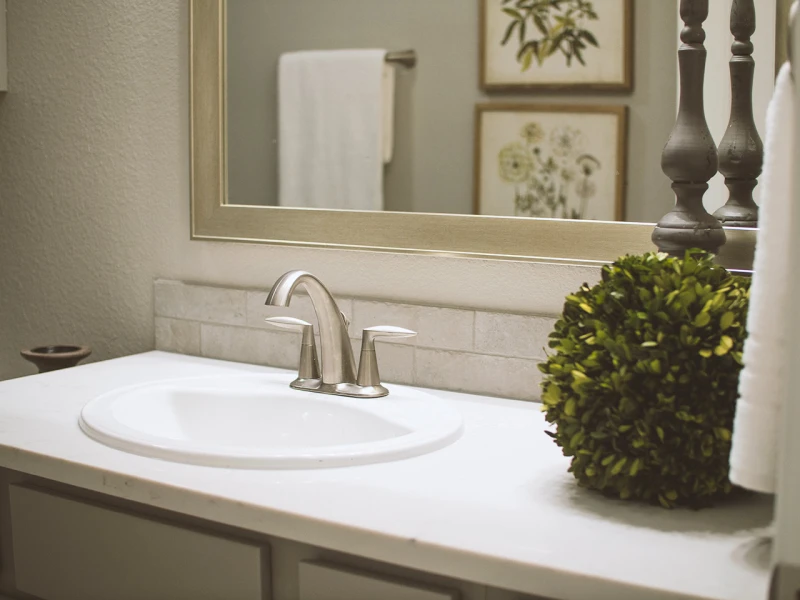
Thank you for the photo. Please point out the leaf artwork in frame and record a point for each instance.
(557, 44)
(547, 27)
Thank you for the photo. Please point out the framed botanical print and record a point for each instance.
(556, 44)
(560, 161)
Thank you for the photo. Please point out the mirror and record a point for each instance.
(432, 169)
(445, 146)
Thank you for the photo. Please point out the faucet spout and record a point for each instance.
(338, 362)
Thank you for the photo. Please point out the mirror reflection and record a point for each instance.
(501, 107)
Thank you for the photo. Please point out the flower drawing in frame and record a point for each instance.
(564, 162)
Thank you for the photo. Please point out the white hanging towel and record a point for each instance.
(763, 388)
(335, 128)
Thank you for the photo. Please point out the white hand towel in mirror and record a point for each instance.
(333, 116)
(763, 386)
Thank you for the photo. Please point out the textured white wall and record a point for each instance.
(94, 193)
(92, 154)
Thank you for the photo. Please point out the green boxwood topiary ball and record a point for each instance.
(642, 386)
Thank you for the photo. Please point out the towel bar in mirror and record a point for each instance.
(216, 216)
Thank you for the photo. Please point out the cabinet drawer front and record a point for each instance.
(323, 581)
(69, 550)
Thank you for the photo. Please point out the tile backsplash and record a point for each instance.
(469, 351)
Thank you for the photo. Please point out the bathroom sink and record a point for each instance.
(259, 422)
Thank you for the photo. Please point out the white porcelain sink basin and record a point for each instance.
(260, 422)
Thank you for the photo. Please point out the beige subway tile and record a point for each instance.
(299, 308)
(255, 346)
(200, 303)
(368, 314)
(395, 362)
(173, 335)
(446, 328)
(478, 374)
(512, 335)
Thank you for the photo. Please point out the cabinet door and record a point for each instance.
(322, 581)
(66, 549)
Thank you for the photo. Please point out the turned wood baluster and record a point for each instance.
(741, 153)
(690, 156)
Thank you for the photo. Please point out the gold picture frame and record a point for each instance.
(618, 127)
(624, 85)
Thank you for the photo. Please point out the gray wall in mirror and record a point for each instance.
(432, 170)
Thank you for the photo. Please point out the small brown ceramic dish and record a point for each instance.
(52, 358)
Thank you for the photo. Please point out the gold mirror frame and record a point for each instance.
(502, 238)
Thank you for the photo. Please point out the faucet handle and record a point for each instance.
(368, 375)
(346, 320)
(370, 333)
(309, 365)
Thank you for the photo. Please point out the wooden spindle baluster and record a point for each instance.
(741, 153)
(690, 156)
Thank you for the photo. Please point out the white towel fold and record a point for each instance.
(763, 388)
(335, 128)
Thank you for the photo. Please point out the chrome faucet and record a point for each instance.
(338, 364)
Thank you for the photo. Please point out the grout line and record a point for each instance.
(339, 297)
(181, 319)
(200, 337)
(474, 330)
(413, 365)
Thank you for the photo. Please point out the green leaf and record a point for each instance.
(515, 14)
(509, 32)
(589, 37)
(537, 20)
(726, 320)
(552, 395)
(725, 346)
(618, 466)
(527, 59)
(576, 439)
(570, 406)
(723, 433)
(702, 319)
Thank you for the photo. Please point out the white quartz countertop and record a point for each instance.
(497, 507)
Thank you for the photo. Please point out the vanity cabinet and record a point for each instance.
(321, 581)
(67, 549)
(64, 544)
